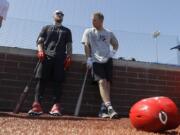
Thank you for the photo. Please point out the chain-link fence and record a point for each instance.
(141, 46)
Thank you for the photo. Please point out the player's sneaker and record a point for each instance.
(112, 113)
(103, 113)
(36, 109)
(55, 110)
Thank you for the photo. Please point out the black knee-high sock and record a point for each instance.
(57, 92)
(39, 90)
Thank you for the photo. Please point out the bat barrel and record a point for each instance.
(78, 105)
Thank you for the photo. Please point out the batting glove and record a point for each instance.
(41, 55)
(89, 63)
(112, 53)
(67, 62)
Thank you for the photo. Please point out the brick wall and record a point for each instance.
(132, 81)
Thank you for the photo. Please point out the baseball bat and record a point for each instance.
(78, 104)
(25, 92)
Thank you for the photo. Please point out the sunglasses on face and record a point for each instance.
(59, 14)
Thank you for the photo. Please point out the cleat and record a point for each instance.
(55, 110)
(36, 109)
(103, 113)
(112, 113)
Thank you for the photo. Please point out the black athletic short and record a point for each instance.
(103, 70)
(51, 69)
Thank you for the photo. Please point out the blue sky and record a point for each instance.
(133, 22)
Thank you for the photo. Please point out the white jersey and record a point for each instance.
(4, 5)
(99, 42)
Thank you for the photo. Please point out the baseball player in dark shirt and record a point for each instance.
(4, 6)
(54, 45)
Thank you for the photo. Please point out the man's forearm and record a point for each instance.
(115, 45)
(87, 51)
(69, 49)
(39, 47)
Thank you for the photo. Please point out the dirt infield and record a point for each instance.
(22, 124)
